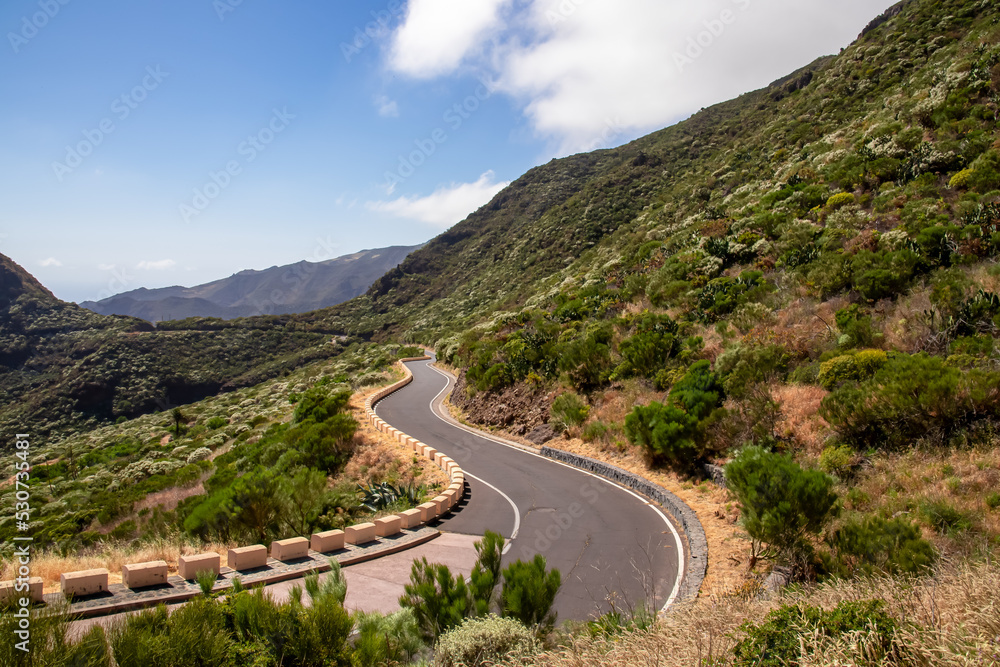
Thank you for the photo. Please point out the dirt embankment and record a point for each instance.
(517, 410)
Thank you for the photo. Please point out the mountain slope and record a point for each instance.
(295, 288)
(876, 114)
(65, 367)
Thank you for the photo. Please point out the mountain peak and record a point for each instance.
(15, 281)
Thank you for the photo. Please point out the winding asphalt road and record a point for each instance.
(612, 546)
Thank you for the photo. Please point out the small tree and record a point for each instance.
(529, 591)
(665, 432)
(179, 419)
(781, 504)
(438, 600)
(486, 571)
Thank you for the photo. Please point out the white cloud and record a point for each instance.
(437, 35)
(580, 67)
(447, 205)
(387, 108)
(105, 267)
(50, 261)
(159, 265)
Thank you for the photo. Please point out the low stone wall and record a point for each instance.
(696, 564)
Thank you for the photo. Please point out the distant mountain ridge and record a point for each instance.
(279, 290)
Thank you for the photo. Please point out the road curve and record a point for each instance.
(612, 546)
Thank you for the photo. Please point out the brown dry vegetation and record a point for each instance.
(908, 483)
(951, 618)
(799, 421)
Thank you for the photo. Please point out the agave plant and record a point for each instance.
(378, 496)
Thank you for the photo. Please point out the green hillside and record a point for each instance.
(65, 368)
(891, 120)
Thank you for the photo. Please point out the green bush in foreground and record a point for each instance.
(882, 545)
(791, 632)
(485, 641)
(438, 599)
(529, 591)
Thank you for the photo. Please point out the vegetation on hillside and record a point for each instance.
(277, 460)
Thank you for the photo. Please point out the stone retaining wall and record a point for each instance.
(697, 544)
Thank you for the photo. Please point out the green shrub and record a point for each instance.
(746, 365)
(879, 545)
(486, 572)
(783, 637)
(945, 517)
(485, 641)
(960, 180)
(699, 392)
(664, 432)
(319, 405)
(993, 500)
(529, 591)
(568, 410)
(853, 367)
(837, 460)
(838, 200)
(909, 398)
(781, 504)
(216, 422)
(439, 600)
(586, 361)
(650, 347)
(391, 639)
(594, 431)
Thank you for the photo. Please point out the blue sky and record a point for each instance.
(155, 143)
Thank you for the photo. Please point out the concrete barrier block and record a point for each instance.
(188, 567)
(331, 540)
(247, 558)
(360, 534)
(428, 511)
(430, 452)
(141, 575)
(291, 549)
(9, 592)
(388, 525)
(442, 504)
(84, 582)
(410, 518)
(438, 456)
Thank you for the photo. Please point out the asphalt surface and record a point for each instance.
(611, 546)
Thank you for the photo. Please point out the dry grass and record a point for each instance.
(799, 419)
(906, 327)
(952, 618)
(902, 483)
(50, 564)
(379, 457)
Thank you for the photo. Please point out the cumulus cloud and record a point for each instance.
(580, 67)
(446, 205)
(437, 35)
(158, 265)
(50, 261)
